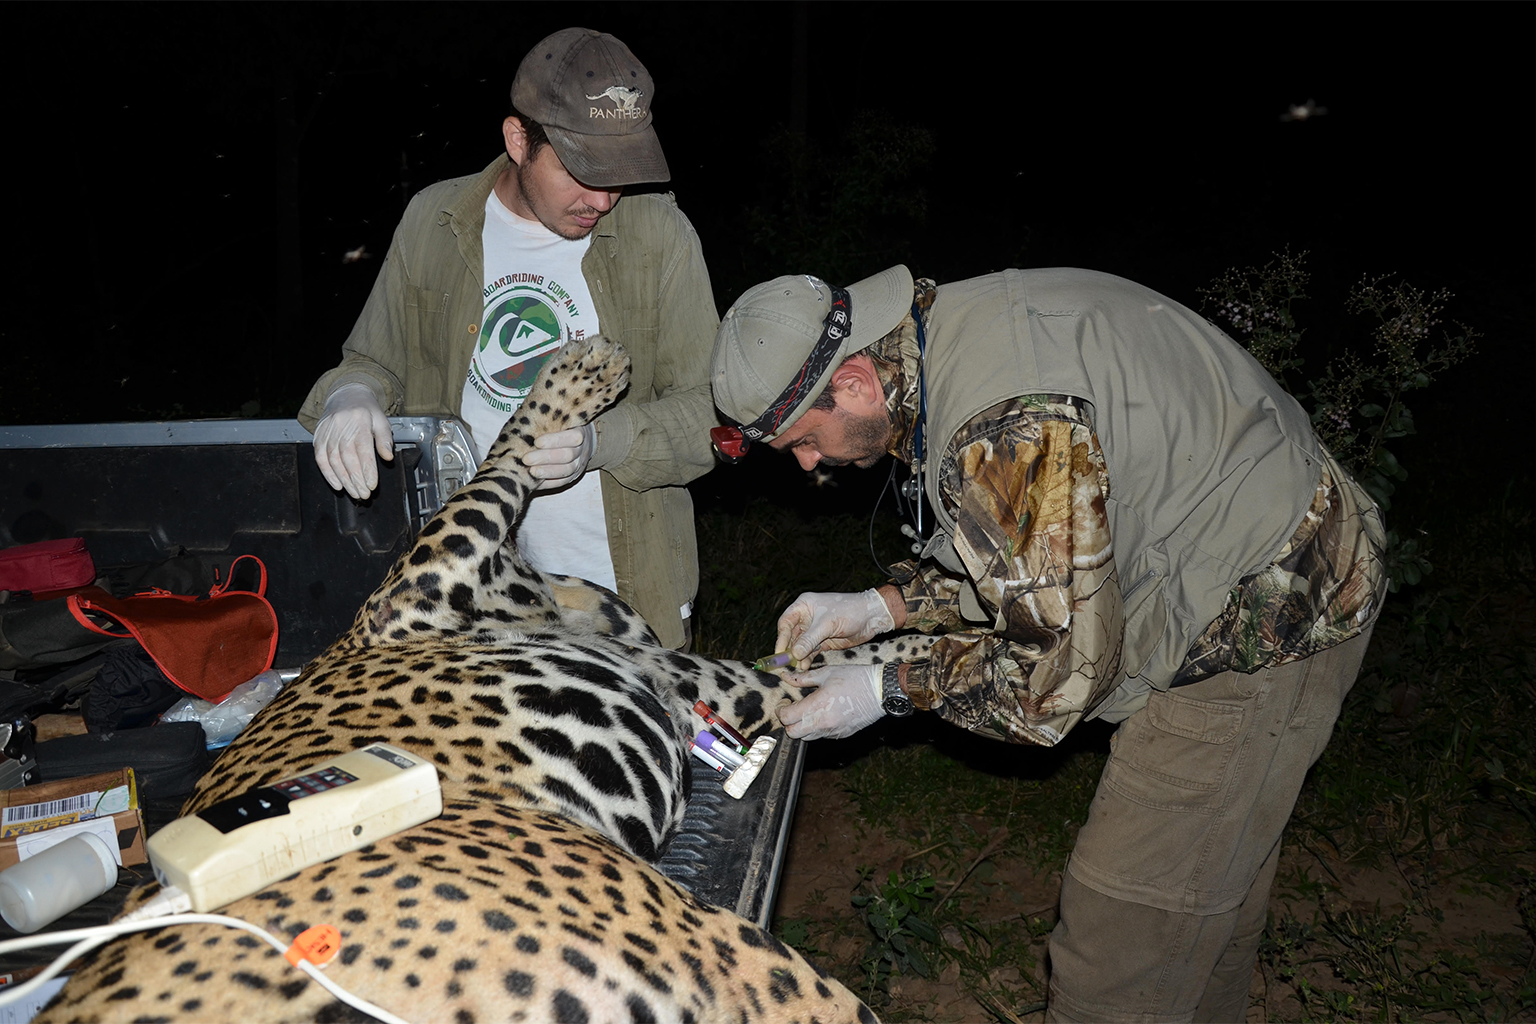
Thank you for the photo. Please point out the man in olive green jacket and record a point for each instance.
(411, 350)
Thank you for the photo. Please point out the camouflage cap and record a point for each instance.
(594, 100)
(767, 337)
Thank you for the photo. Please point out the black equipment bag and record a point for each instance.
(167, 760)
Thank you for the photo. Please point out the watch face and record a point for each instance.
(895, 701)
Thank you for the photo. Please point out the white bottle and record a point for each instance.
(52, 882)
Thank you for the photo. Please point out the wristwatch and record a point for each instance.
(894, 699)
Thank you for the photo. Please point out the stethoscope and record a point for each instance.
(909, 493)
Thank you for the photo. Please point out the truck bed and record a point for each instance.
(144, 492)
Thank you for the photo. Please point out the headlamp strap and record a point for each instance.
(834, 330)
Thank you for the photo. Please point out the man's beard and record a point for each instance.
(867, 438)
(532, 199)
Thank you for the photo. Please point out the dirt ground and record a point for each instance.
(821, 872)
(827, 849)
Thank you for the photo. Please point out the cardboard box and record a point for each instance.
(33, 818)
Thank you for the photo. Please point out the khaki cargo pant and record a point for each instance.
(1166, 894)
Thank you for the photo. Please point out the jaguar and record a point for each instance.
(558, 727)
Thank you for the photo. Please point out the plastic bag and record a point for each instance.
(223, 721)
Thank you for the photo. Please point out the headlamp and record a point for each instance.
(731, 443)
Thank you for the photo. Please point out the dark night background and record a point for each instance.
(185, 179)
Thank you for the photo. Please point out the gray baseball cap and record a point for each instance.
(594, 100)
(767, 337)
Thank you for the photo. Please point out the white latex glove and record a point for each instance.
(831, 622)
(350, 430)
(847, 701)
(559, 458)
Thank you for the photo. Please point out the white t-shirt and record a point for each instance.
(535, 299)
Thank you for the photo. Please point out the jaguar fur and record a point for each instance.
(905, 647)
(557, 726)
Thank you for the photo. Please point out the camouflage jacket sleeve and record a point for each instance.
(1035, 644)
(1325, 586)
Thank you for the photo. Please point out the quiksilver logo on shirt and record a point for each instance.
(624, 99)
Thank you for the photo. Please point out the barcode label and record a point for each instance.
(85, 802)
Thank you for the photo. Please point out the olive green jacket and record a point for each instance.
(413, 341)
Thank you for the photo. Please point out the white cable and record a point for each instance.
(37, 981)
(90, 938)
(169, 900)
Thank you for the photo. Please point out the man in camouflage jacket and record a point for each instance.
(1137, 524)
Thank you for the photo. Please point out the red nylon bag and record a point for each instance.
(205, 645)
(47, 565)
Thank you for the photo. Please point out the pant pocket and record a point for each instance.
(1175, 754)
(1154, 831)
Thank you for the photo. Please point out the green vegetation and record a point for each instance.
(897, 919)
(1359, 401)
(1407, 891)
